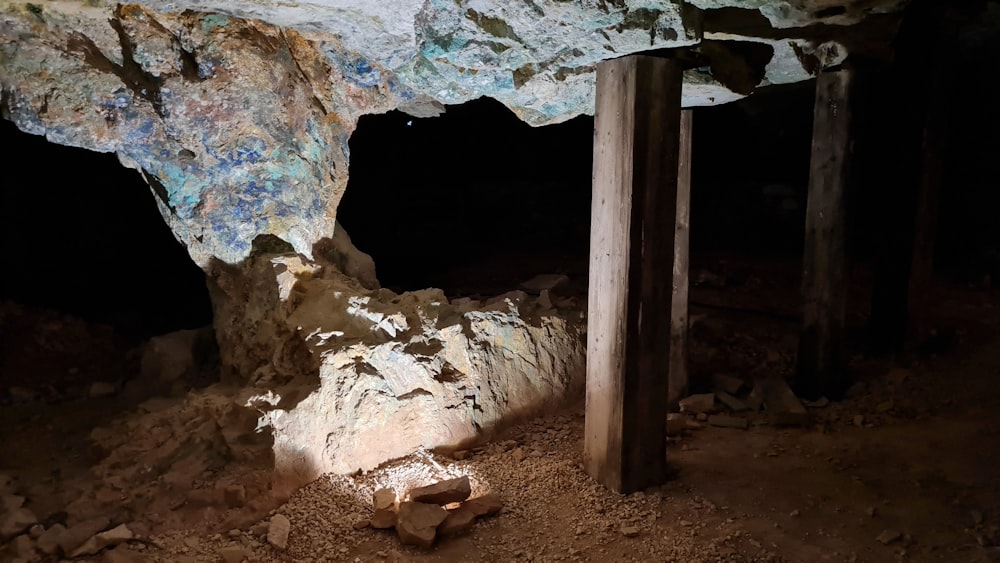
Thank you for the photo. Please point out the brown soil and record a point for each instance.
(912, 456)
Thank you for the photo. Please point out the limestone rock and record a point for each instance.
(96, 543)
(383, 508)
(16, 521)
(277, 531)
(698, 404)
(418, 522)
(443, 492)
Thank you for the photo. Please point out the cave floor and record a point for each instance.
(906, 468)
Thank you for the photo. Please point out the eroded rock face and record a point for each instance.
(238, 112)
(351, 377)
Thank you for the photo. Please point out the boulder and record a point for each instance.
(383, 508)
(278, 530)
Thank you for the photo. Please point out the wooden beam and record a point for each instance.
(820, 364)
(636, 127)
(678, 378)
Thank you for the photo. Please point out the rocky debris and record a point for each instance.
(698, 404)
(122, 554)
(459, 520)
(417, 523)
(96, 543)
(233, 554)
(22, 547)
(383, 508)
(16, 521)
(278, 530)
(48, 542)
(782, 406)
(443, 492)
(235, 496)
(73, 537)
(727, 383)
(731, 402)
(725, 421)
(630, 531)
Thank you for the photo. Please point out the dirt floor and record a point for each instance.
(906, 468)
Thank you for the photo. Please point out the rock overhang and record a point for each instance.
(238, 113)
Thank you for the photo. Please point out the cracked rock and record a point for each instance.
(444, 492)
(417, 523)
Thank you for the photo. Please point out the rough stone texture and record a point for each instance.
(48, 542)
(383, 508)
(112, 537)
(782, 406)
(444, 492)
(238, 113)
(486, 505)
(16, 521)
(74, 536)
(22, 547)
(235, 554)
(277, 531)
(418, 522)
(349, 378)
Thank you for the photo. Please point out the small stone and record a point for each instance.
(795, 513)
(885, 406)
(728, 421)
(444, 492)
(676, 422)
(888, 536)
(15, 522)
(233, 554)
(97, 542)
(234, 533)
(486, 505)
(872, 511)
(10, 503)
(361, 524)
(36, 531)
(518, 455)
(859, 420)
(727, 383)
(461, 454)
(384, 509)
(277, 531)
(701, 417)
(101, 389)
(697, 404)
(818, 403)
(630, 531)
(235, 496)
(417, 523)
(458, 521)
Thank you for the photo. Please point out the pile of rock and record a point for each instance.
(421, 519)
(772, 394)
(28, 540)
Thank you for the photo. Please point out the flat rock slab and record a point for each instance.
(445, 492)
(697, 404)
(417, 523)
(277, 531)
(383, 508)
(783, 407)
(74, 536)
(233, 554)
(15, 522)
(486, 505)
(734, 404)
(459, 520)
(724, 421)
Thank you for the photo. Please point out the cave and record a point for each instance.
(366, 282)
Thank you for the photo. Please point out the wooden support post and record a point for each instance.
(678, 379)
(820, 365)
(636, 127)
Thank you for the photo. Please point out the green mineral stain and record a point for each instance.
(210, 22)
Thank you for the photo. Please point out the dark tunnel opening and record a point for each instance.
(81, 235)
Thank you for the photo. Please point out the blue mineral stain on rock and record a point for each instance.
(213, 21)
(354, 67)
